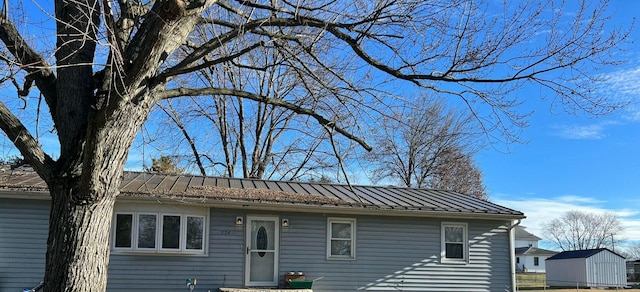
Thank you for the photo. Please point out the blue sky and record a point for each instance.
(574, 162)
(570, 163)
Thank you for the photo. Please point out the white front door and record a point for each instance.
(261, 260)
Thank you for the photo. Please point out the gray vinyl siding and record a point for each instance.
(397, 254)
(23, 242)
(221, 266)
(392, 254)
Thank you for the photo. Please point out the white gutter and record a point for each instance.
(512, 253)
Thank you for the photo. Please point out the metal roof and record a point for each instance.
(212, 189)
(580, 254)
(533, 251)
(522, 234)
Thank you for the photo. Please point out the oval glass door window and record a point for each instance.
(262, 240)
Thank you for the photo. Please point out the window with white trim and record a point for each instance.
(195, 233)
(454, 242)
(341, 238)
(147, 226)
(123, 227)
(159, 232)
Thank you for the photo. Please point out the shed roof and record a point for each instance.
(579, 254)
(236, 190)
(634, 261)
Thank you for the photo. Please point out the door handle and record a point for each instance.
(247, 249)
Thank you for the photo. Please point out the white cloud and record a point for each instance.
(620, 86)
(624, 86)
(585, 131)
(632, 113)
(578, 199)
(581, 132)
(541, 210)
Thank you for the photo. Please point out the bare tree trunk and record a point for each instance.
(82, 204)
(78, 244)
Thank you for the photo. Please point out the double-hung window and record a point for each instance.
(159, 232)
(341, 238)
(454, 242)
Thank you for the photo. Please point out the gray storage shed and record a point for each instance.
(586, 268)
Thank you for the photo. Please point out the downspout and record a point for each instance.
(512, 253)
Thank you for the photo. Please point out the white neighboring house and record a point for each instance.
(530, 258)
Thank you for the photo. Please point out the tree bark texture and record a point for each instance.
(78, 245)
(77, 25)
(96, 130)
(82, 205)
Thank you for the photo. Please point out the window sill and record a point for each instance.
(454, 262)
(158, 253)
(340, 258)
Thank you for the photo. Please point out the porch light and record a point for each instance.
(285, 223)
(239, 221)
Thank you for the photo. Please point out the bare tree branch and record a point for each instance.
(277, 102)
(347, 63)
(576, 230)
(193, 68)
(428, 146)
(173, 115)
(26, 144)
(32, 62)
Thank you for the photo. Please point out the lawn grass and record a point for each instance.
(530, 280)
(536, 282)
(589, 290)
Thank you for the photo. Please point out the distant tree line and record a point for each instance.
(578, 230)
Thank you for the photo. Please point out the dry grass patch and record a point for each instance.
(536, 282)
(530, 280)
(588, 290)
